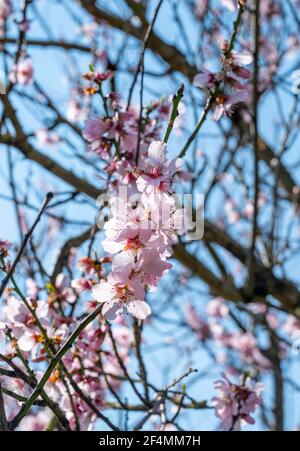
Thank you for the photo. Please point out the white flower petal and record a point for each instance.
(139, 309)
(103, 292)
(111, 309)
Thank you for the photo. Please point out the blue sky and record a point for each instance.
(49, 73)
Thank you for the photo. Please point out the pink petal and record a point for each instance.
(111, 309)
(238, 96)
(122, 267)
(139, 309)
(157, 151)
(242, 58)
(103, 292)
(111, 247)
(26, 342)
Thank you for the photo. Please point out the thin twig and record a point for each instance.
(141, 69)
(161, 396)
(123, 367)
(251, 264)
(54, 361)
(139, 355)
(211, 99)
(27, 237)
(141, 61)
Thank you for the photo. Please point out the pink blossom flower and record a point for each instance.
(246, 345)
(291, 325)
(225, 104)
(62, 290)
(118, 298)
(76, 111)
(38, 422)
(22, 324)
(81, 285)
(98, 76)
(5, 10)
(90, 266)
(46, 138)
(30, 341)
(231, 212)
(217, 307)
(205, 79)
(227, 85)
(89, 30)
(128, 240)
(124, 337)
(16, 385)
(33, 341)
(201, 7)
(4, 247)
(123, 128)
(235, 402)
(151, 267)
(238, 59)
(22, 73)
(140, 232)
(24, 25)
(157, 170)
(17, 313)
(198, 324)
(94, 129)
(32, 288)
(101, 133)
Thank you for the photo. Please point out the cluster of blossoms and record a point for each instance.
(4, 253)
(22, 72)
(5, 11)
(145, 216)
(238, 351)
(140, 233)
(139, 237)
(236, 402)
(96, 79)
(231, 344)
(31, 332)
(4, 248)
(92, 271)
(228, 86)
(87, 362)
(76, 107)
(24, 329)
(121, 124)
(104, 133)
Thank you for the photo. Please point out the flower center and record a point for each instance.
(122, 294)
(133, 244)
